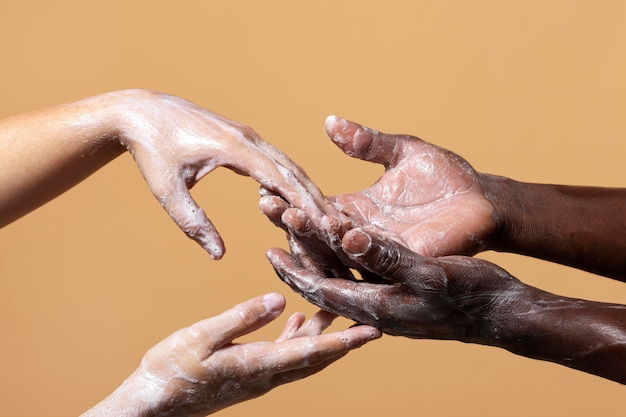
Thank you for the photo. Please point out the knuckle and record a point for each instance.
(390, 261)
(246, 318)
(194, 231)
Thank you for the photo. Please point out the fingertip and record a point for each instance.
(199, 228)
(359, 335)
(272, 206)
(297, 221)
(272, 253)
(331, 123)
(333, 230)
(298, 318)
(277, 258)
(292, 325)
(273, 303)
(265, 192)
(337, 130)
(215, 249)
(372, 332)
(369, 332)
(356, 242)
(216, 256)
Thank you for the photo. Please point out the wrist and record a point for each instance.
(522, 321)
(504, 195)
(510, 318)
(584, 335)
(138, 396)
(126, 113)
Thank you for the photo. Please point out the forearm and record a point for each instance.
(136, 397)
(583, 227)
(583, 335)
(46, 152)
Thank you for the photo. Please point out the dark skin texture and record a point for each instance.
(410, 235)
(582, 227)
(435, 203)
(461, 298)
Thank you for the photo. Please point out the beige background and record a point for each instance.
(531, 90)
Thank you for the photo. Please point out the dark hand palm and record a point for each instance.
(429, 199)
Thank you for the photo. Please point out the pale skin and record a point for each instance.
(410, 230)
(199, 370)
(174, 142)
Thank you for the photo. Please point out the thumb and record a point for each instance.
(391, 260)
(361, 142)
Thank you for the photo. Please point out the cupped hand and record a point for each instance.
(429, 199)
(320, 247)
(200, 369)
(418, 297)
(176, 143)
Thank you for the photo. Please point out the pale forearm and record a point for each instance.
(136, 397)
(583, 227)
(46, 152)
(146, 395)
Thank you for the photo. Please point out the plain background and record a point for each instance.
(531, 90)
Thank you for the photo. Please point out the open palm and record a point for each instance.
(429, 199)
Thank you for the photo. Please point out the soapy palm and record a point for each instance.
(429, 199)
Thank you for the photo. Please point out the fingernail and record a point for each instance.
(331, 122)
(273, 302)
(336, 127)
(356, 242)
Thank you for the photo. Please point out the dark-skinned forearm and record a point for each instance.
(583, 227)
(584, 335)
